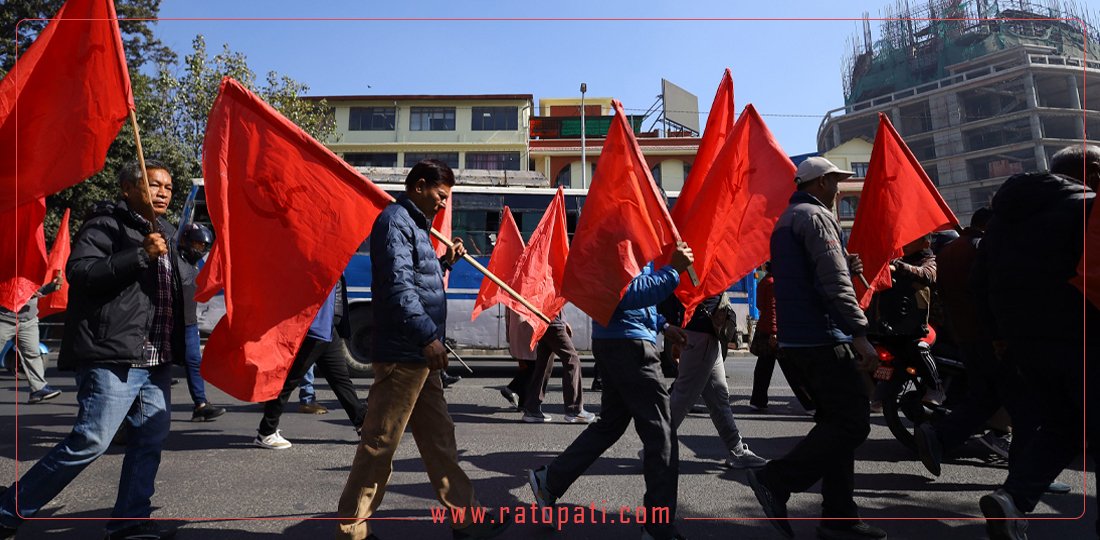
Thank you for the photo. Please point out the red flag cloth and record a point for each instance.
(63, 103)
(729, 228)
(541, 270)
(623, 226)
(211, 278)
(57, 301)
(267, 179)
(899, 204)
(506, 253)
(719, 126)
(23, 244)
(442, 223)
(1089, 267)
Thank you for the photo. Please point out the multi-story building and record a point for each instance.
(978, 92)
(556, 143)
(467, 132)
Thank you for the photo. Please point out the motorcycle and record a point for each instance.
(903, 384)
(10, 358)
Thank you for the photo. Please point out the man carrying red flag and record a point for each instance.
(823, 332)
(22, 326)
(124, 330)
(410, 311)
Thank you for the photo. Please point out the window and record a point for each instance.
(860, 168)
(656, 170)
(432, 119)
(493, 161)
(450, 158)
(495, 119)
(563, 179)
(846, 208)
(371, 119)
(369, 159)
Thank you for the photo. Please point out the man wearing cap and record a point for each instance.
(822, 331)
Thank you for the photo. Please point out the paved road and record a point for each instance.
(211, 472)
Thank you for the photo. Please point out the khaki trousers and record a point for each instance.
(402, 394)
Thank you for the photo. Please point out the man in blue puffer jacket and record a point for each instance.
(410, 313)
(629, 366)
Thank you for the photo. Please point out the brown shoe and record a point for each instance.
(312, 408)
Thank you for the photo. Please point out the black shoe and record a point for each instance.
(597, 386)
(146, 530)
(774, 508)
(205, 412)
(856, 531)
(928, 447)
(46, 393)
(448, 379)
(511, 397)
(490, 528)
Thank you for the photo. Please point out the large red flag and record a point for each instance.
(1089, 267)
(506, 253)
(23, 245)
(623, 226)
(729, 227)
(62, 104)
(541, 270)
(57, 301)
(899, 204)
(265, 179)
(719, 126)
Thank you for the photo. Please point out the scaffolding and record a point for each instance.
(916, 44)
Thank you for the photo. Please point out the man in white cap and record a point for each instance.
(823, 333)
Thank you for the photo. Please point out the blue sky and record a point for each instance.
(782, 67)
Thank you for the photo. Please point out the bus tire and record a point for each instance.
(361, 343)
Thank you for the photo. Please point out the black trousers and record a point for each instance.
(842, 423)
(1054, 373)
(762, 379)
(556, 343)
(329, 356)
(632, 390)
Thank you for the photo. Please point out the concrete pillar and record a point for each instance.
(895, 118)
(836, 134)
(1040, 158)
(1029, 91)
(1075, 103)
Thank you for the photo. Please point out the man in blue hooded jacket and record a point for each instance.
(629, 366)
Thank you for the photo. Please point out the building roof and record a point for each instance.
(428, 97)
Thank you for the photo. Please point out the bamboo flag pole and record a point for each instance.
(500, 283)
(146, 196)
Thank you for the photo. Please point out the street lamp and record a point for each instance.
(584, 153)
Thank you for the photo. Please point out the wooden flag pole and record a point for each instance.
(500, 283)
(146, 197)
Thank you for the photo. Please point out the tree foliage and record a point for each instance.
(173, 100)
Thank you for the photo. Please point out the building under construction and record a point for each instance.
(979, 89)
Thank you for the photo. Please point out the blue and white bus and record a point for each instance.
(476, 218)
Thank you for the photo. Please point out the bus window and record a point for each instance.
(475, 228)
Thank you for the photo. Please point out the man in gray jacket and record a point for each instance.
(823, 332)
(23, 326)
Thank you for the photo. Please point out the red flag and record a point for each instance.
(899, 204)
(442, 223)
(729, 228)
(23, 244)
(1089, 268)
(623, 226)
(57, 301)
(211, 278)
(506, 253)
(62, 104)
(540, 272)
(265, 179)
(719, 126)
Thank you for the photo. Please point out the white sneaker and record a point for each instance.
(743, 458)
(275, 441)
(583, 417)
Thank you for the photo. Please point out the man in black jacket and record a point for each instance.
(124, 329)
(1021, 279)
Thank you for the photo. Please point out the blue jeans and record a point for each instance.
(107, 395)
(306, 393)
(195, 385)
